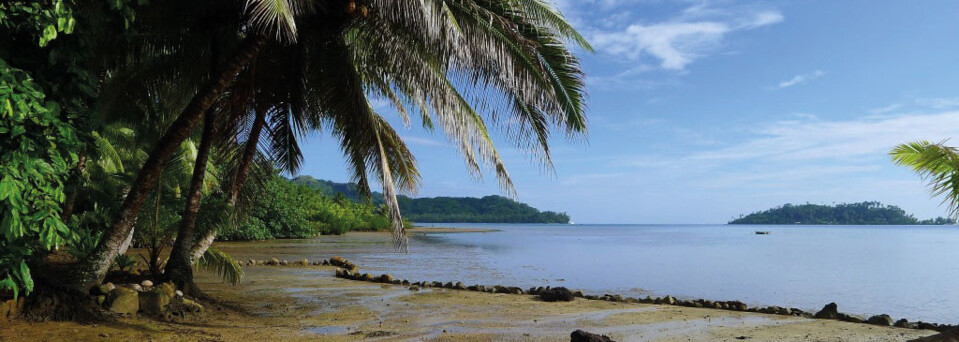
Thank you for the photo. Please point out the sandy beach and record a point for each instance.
(307, 303)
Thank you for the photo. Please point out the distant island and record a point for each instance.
(863, 213)
(489, 209)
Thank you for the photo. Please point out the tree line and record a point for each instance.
(489, 209)
(863, 213)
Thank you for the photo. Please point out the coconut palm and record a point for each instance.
(312, 77)
(935, 163)
(444, 58)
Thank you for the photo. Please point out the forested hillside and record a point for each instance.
(489, 209)
(845, 213)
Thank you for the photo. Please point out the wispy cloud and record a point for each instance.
(676, 43)
(800, 79)
(793, 141)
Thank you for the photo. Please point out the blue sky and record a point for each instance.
(703, 110)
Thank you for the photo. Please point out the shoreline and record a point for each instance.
(432, 230)
(302, 303)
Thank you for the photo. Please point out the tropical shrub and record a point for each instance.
(35, 159)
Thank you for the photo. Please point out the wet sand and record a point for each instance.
(301, 303)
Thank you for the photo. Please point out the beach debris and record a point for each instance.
(582, 336)
(556, 294)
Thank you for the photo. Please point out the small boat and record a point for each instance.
(758, 232)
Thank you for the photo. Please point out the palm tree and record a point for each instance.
(935, 163)
(441, 57)
(337, 61)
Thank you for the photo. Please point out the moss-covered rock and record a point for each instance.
(123, 300)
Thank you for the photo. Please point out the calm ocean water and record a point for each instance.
(904, 271)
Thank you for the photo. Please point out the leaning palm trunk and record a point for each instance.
(178, 268)
(242, 171)
(91, 270)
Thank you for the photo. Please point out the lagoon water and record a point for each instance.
(904, 271)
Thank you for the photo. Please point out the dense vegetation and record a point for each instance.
(865, 213)
(283, 209)
(165, 123)
(489, 209)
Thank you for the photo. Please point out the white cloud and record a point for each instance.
(795, 141)
(800, 79)
(677, 42)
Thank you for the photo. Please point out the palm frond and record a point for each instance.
(937, 164)
(222, 264)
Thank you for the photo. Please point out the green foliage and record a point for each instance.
(35, 158)
(86, 228)
(44, 19)
(284, 209)
(489, 209)
(935, 163)
(865, 213)
(222, 264)
(125, 262)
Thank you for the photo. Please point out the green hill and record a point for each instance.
(863, 213)
(489, 209)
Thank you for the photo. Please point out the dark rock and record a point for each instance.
(883, 320)
(850, 318)
(590, 297)
(448, 285)
(386, 278)
(669, 300)
(459, 286)
(904, 323)
(830, 311)
(154, 302)
(556, 294)
(578, 294)
(582, 336)
(414, 288)
(738, 306)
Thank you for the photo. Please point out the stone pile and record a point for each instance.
(163, 300)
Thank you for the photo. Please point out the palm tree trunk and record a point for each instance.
(91, 271)
(77, 182)
(242, 171)
(178, 267)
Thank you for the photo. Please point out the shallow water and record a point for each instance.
(904, 271)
